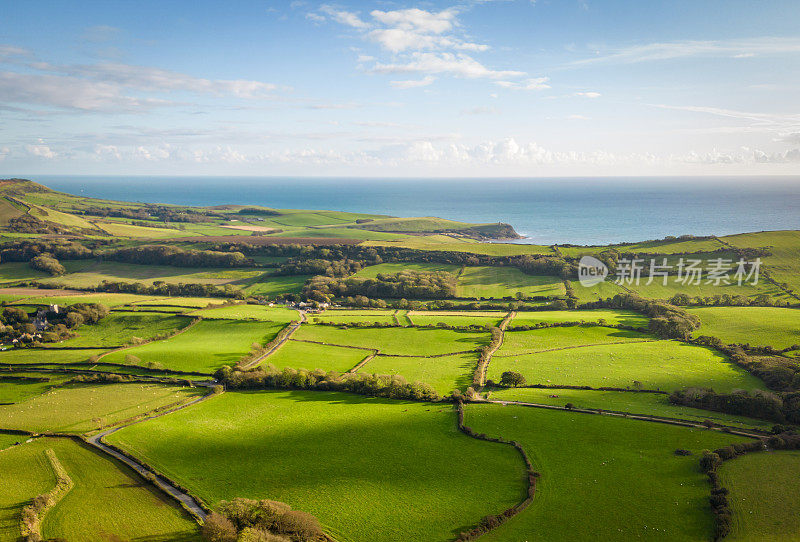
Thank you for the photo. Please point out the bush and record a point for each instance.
(260, 521)
(48, 264)
(512, 379)
(218, 528)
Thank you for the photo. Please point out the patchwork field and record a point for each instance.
(653, 404)
(444, 374)
(784, 247)
(407, 341)
(757, 326)
(79, 408)
(18, 386)
(611, 317)
(500, 282)
(109, 498)
(118, 329)
(300, 355)
(250, 312)
(272, 286)
(373, 271)
(89, 273)
(412, 466)
(664, 365)
(764, 495)
(604, 478)
(538, 340)
(204, 347)
(346, 316)
(457, 318)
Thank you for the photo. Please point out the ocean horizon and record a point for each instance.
(576, 210)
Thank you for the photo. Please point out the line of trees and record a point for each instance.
(25, 251)
(667, 321)
(161, 288)
(179, 257)
(776, 407)
(47, 263)
(413, 284)
(390, 386)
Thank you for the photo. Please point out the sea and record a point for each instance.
(586, 211)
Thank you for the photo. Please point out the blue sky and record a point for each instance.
(481, 88)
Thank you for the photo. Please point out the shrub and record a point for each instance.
(218, 528)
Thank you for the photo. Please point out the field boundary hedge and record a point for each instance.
(498, 333)
(491, 522)
(364, 361)
(711, 461)
(257, 356)
(33, 514)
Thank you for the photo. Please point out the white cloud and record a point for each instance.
(414, 83)
(694, 48)
(536, 83)
(315, 17)
(40, 151)
(344, 17)
(577, 117)
(456, 64)
(758, 118)
(588, 94)
(4, 151)
(418, 20)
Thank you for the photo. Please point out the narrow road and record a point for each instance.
(642, 417)
(187, 500)
(292, 328)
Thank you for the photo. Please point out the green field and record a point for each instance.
(89, 273)
(784, 247)
(537, 340)
(187, 302)
(79, 408)
(250, 312)
(653, 404)
(346, 316)
(204, 347)
(664, 365)
(764, 496)
(444, 242)
(499, 282)
(757, 326)
(14, 391)
(604, 478)
(611, 316)
(370, 469)
(107, 299)
(119, 328)
(373, 271)
(300, 355)
(407, 341)
(18, 271)
(272, 286)
(32, 476)
(457, 318)
(602, 290)
(657, 290)
(444, 374)
(38, 356)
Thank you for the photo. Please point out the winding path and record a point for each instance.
(188, 502)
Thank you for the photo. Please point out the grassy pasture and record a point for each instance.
(784, 247)
(92, 274)
(604, 478)
(674, 246)
(107, 299)
(119, 328)
(665, 365)
(14, 391)
(107, 500)
(32, 476)
(300, 355)
(611, 316)
(457, 318)
(250, 312)
(370, 469)
(8, 211)
(345, 316)
(45, 356)
(758, 326)
(499, 282)
(408, 341)
(536, 340)
(110, 501)
(764, 496)
(129, 230)
(7, 440)
(602, 290)
(65, 219)
(657, 290)
(79, 408)
(444, 374)
(272, 286)
(636, 403)
(448, 243)
(17, 271)
(205, 347)
(188, 302)
(373, 271)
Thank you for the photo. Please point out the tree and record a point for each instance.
(512, 379)
(218, 528)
